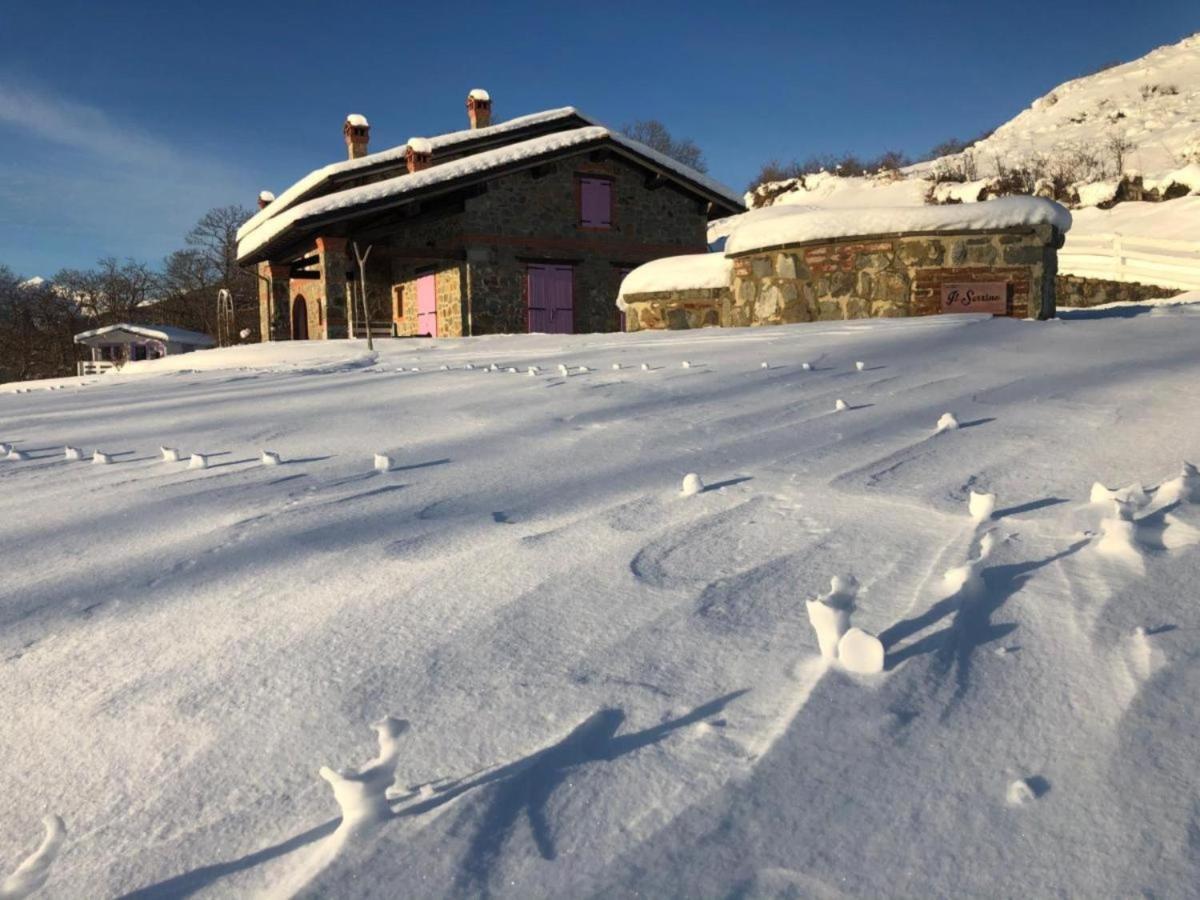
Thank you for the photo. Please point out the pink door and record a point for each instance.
(427, 305)
(550, 290)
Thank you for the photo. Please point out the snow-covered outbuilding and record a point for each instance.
(525, 225)
(114, 345)
(796, 263)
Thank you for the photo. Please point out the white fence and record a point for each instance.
(94, 367)
(1120, 257)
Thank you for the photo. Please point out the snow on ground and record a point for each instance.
(596, 684)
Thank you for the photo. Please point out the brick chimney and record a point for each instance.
(265, 198)
(418, 154)
(479, 108)
(357, 132)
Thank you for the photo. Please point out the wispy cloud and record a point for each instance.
(79, 184)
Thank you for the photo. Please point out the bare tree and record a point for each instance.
(654, 134)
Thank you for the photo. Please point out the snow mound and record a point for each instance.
(981, 506)
(72, 453)
(100, 458)
(361, 793)
(1118, 535)
(383, 462)
(1020, 792)
(947, 422)
(169, 454)
(1184, 488)
(692, 485)
(198, 461)
(860, 652)
(31, 874)
(840, 405)
(830, 613)
(270, 458)
(1133, 494)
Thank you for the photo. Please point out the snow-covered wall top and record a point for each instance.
(776, 226)
(677, 273)
(395, 154)
(468, 165)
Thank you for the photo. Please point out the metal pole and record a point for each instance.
(362, 280)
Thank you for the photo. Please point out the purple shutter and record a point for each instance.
(595, 201)
(427, 305)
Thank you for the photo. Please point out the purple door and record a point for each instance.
(551, 299)
(427, 305)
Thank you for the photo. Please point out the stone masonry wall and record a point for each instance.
(1075, 291)
(523, 219)
(863, 277)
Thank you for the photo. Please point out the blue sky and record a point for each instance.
(121, 122)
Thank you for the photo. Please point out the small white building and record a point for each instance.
(114, 345)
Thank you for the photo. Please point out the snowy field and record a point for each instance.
(610, 688)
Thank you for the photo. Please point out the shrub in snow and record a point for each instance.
(101, 459)
(383, 462)
(981, 506)
(362, 793)
(72, 453)
(31, 874)
(830, 613)
(860, 366)
(947, 422)
(692, 485)
(198, 461)
(169, 454)
(860, 652)
(840, 405)
(270, 458)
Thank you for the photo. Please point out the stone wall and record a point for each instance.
(879, 276)
(1076, 291)
(675, 310)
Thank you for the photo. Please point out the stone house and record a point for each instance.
(525, 225)
(799, 264)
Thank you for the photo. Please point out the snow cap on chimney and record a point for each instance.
(265, 198)
(357, 132)
(479, 108)
(418, 154)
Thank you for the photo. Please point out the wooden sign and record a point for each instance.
(975, 297)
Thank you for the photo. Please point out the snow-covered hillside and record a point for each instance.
(584, 681)
(1139, 119)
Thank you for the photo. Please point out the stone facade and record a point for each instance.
(1076, 291)
(481, 246)
(862, 277)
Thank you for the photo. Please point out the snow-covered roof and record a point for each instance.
(776, 226)
(357, 121)
(166, 333)
(677, 273)
(470, 165)
(479, 94)
(315, 179)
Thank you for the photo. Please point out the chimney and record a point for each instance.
(419, 154)
(479, 108)
(357, 131)
(265, 198)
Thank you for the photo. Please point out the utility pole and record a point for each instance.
(362, 281)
